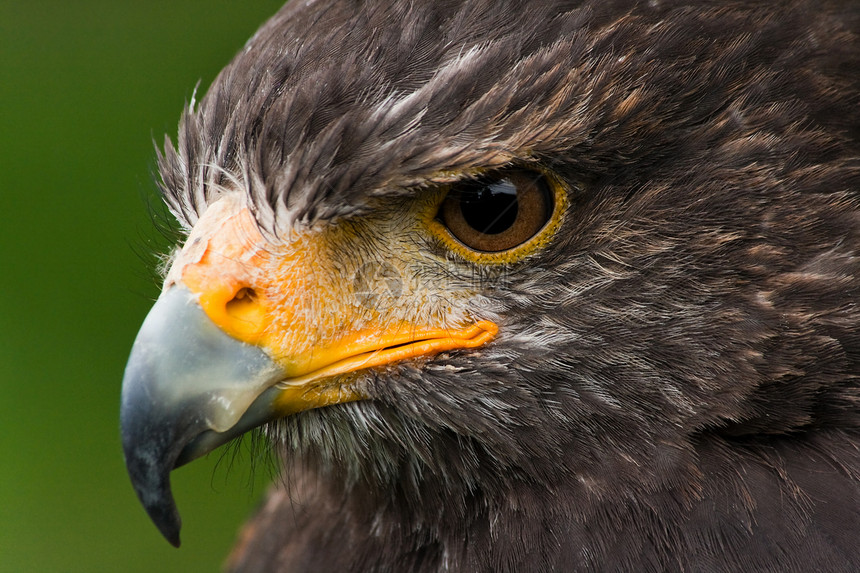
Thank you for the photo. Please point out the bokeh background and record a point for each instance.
(85, 87)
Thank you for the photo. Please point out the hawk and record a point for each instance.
(520, 286)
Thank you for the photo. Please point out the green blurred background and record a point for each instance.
(84, 88)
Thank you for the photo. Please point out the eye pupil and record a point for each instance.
(493, 209)
(498, 212)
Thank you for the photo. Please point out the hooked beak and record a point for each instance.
(223, 351)
(188, 388)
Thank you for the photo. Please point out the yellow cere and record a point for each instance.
(328, 301)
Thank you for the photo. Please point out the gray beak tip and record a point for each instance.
(161, 508)
(150, 476)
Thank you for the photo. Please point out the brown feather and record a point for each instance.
(675, 383)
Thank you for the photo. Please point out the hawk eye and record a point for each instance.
(499, 213)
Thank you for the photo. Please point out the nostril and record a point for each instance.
(244, 299)
(243, 316)
(244, 293)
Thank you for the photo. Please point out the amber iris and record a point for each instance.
(498, 213)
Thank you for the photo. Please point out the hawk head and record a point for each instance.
(553, 260)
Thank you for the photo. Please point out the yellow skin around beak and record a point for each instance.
(248, 330)
(285, 299)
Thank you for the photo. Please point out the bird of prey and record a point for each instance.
(520, 286)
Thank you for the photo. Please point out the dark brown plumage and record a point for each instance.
(674, 385)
